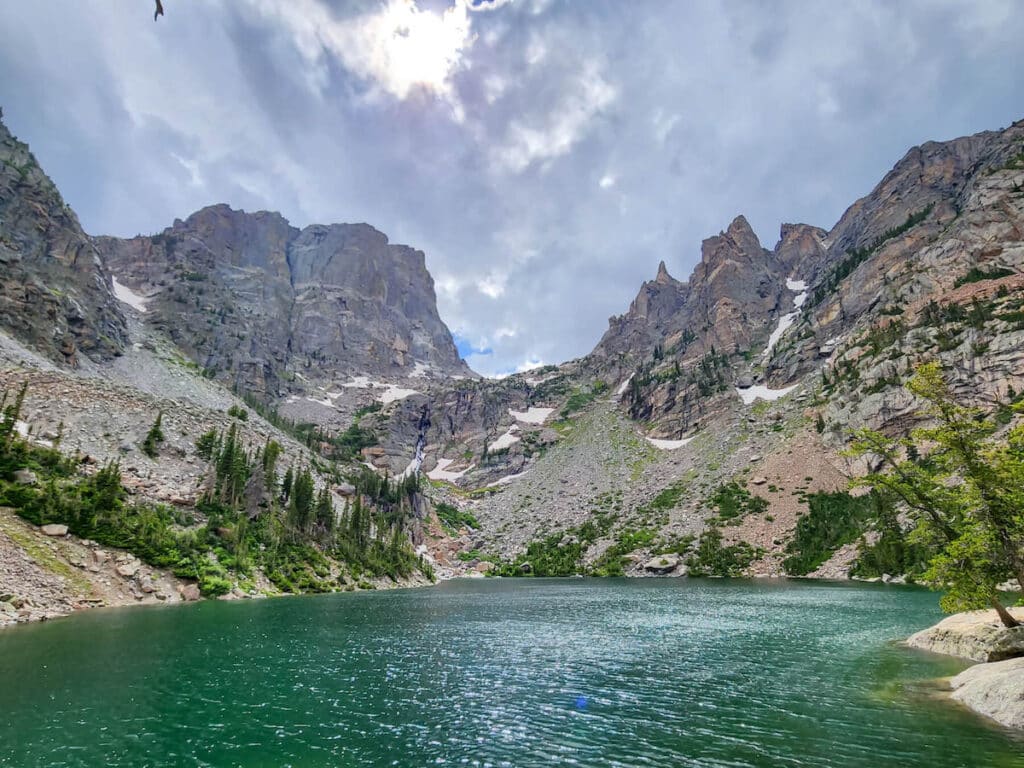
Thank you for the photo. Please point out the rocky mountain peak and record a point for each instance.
(260, 302)
(934, 176)
(726, 302)
(736, 244)
(663, 277)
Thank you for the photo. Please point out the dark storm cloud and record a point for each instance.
(563, 150)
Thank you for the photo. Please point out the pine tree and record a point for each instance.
(286, 484)
(300, 504)
(325, 510)
(964, 491)
(155, 436)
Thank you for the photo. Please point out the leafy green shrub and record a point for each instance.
(581, 398)
(712, 558)
(207, 444)
(613, 560)
(733, 501)
(453, 518)
(239, 413)
(895, 552)
(977, 274)
(834, 519)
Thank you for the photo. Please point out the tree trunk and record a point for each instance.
(1004, 615)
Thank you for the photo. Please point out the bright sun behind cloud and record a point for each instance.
(418, 48)
(397, 47)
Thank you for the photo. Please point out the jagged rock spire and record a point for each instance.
(663, 277)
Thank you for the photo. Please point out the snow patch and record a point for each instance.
(412, 469)
(326, 403)
(509, 478)
(623, 386)
(787, 320)
(506, 440)
(785, 323)
(123, 293)
(532, 415)
(668, 445)
(750, 394)
(391, 393)
(394, 392)
(440, 472)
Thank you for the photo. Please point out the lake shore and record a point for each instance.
(621, 671)
(47, 575)
(994, 686)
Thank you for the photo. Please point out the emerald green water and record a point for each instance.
(500, 673)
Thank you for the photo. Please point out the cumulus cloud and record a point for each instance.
(552, 135)
(542, 158)
(397, 46)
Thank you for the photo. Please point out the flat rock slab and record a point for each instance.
(975, 635)
(663, 564)
(995, 690)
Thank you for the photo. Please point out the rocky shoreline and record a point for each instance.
(993, 687)
(46, 573)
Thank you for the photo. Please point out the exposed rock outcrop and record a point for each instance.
(976, 635)
(262, 304)
(55, 293)
(994, 690)
(726, 303)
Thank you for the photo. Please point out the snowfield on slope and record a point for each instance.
(126, 295)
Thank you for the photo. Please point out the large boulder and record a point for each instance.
(54, 529)
(995, 690)
(975, 635)
(662, 565)
(189, 592)
(25, 477)
(129, 568)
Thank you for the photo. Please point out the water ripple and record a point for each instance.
(495, 673)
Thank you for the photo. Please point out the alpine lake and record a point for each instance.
(498, 672)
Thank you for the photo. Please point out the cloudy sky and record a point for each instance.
(545, 154)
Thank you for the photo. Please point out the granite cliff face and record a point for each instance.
(750, 374)
(757, 369)
(55, 293)
(260, 303)
(947, 215)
